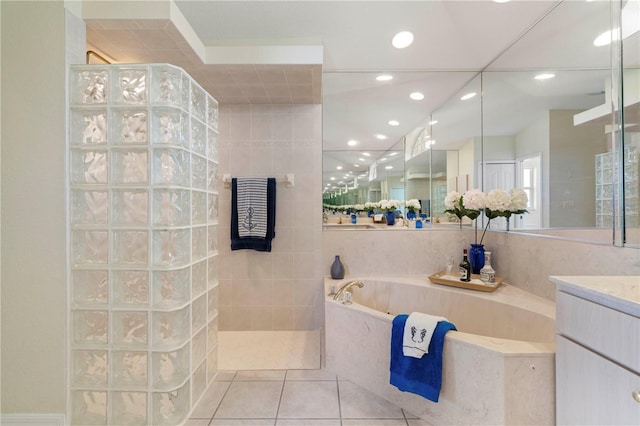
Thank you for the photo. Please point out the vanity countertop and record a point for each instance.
(621, 293)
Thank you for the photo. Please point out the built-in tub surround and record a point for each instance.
(498, 368)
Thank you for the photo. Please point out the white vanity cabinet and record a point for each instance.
(597, 350)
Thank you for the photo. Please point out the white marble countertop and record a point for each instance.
(621, 293)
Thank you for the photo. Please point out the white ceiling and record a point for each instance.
(356, 35)
(356, 39)
(353, 35)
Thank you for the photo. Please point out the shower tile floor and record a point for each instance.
(293, 398)
(269, 350)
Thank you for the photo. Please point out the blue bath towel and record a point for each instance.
(259, 222)
(422, 376)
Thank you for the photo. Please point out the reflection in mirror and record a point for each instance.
(455, 141)
(548, 121)
(375, 117)
(357, 177)
(563, 133)
(630, 34)
(426, 181)
(536, 137)
(631, 157)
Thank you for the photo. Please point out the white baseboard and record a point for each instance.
(32, 420)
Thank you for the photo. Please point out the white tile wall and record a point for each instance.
(280, 290)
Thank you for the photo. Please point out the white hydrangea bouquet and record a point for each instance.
(388, 205)
(496, 203)
(500, 203)
(369, 206)
(413, 205)
(469, 204)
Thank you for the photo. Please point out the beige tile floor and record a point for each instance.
(293, 398)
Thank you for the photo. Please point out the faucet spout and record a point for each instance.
(346, 287)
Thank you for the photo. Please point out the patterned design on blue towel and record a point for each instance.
(422, 376)
(252, 207)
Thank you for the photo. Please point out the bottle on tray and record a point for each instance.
(487, 274)
(465, 268)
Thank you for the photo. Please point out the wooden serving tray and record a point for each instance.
(438, 278)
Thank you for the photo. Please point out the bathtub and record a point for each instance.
(498, 368)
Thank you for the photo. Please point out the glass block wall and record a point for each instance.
(606, 178)
(143, 148)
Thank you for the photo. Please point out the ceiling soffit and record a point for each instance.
(161, 40)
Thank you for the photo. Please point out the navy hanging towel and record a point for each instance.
(253, 213)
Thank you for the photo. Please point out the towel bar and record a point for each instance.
(287, 180)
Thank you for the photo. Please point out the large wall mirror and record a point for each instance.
(442, 153)
(554, 99)
(366, 119)
(545, 117)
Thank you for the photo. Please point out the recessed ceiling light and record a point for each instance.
(392, 154)
(339, 168)
(389, 167)
(606, 38)
(366, 154)
(416, 96)
(545, 76)
(352, 142)
(332, 178)
(381, 137)
(383, 159)
(361, 159)
(402, 39)
(468, 96)
(432, 122)
(357, 165)
(502, 1)
(384, 77)
(394, 123)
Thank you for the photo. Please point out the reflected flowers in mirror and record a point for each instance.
(369, 207)
(388, 205)
(413, 205)
(469, 204)
(499, 203)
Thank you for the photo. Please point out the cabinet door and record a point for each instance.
(591, 390)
